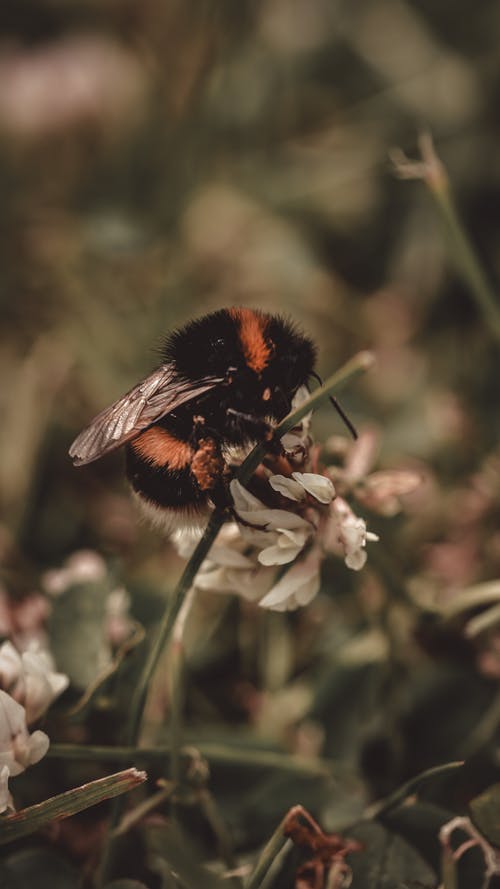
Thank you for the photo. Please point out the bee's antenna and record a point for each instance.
(337, 407)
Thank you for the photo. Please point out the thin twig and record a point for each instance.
(176, 681)
(432, 172)
(271, 850)
(223, 753)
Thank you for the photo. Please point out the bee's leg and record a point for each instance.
(209, 469)
(259, 429)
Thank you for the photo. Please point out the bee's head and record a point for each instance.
(262, 357)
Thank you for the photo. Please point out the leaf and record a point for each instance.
(387, 861)
(176, 848)
(83, 652)
(420, 825)
(42, 868)
(69, 803)
(417, 785)
(485, 813)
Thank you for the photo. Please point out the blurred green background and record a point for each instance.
(162, 159)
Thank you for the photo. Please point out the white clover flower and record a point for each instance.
(298, 586)
(287, 487)
(83, 566)
(250, 583)
(18, 749)
(350, 532)
(283, 535)
(301, 483)
(30, 678)
(119, 624)
(248, 551)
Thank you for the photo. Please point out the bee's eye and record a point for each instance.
(219, 343)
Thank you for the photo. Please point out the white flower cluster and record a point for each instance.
(245, 558)
(28, 685)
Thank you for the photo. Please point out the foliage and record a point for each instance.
(160, 160)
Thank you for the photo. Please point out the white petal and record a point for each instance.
(243, 499)
(287, 487)
(42, 683)
(226, 556)
(319, 486)
(37, 748)
(10, 665)
(12, 719)
(290, 538)
(297, 587)
(272, 519)
(356, 559)
(258, 538)
(252, 584)
(85, 566)
(301, 395)
(293, 441)
(276, 555)
(215, 581)
(5, 797)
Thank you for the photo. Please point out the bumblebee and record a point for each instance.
(226, 379)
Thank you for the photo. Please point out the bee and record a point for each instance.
(225, 381)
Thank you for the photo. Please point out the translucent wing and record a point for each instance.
(159, 394)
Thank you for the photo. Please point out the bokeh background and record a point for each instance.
(162, 159)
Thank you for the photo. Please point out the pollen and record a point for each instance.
(256, 350)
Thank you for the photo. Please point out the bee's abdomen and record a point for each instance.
(159, 448)
(170, 472)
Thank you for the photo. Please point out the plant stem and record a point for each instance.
(433, 173)
(215, 752)
(167, 625)
(177, 686)
(266, 858)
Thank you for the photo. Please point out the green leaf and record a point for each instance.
(386, 861)
(182, 856)
(485, 813)
(42, 868)
(84, 651)
(65, 804)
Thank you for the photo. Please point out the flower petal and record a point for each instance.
(5, 797)
(243, 499)
(287, 487)
(319, 486)
(297, 587)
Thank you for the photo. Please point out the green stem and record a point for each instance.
(177, 687)
(466, 259)
(167, 625)
(433, 173)
(225, 754)
(266, 858)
